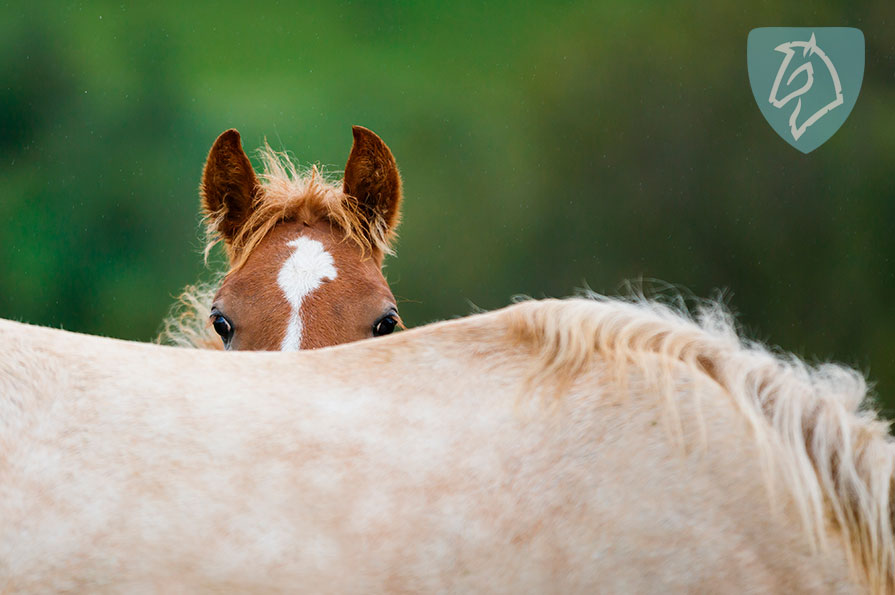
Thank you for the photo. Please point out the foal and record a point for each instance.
(305, 255)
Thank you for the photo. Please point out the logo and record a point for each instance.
(806, 80)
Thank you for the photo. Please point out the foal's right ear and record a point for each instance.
(229, 186)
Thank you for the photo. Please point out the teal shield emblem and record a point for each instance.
(806, 80)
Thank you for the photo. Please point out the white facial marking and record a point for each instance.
(305, 270)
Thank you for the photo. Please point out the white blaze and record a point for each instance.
(305, 270)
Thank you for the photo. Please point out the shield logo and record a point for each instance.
(806, 80)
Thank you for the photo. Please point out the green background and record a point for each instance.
(543, 147)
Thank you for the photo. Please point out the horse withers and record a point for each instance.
(571, 446)
(305, 254)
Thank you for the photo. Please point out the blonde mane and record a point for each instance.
(813, 423)
(286, 194)
(187, 323)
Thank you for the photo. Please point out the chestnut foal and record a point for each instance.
(305, 254)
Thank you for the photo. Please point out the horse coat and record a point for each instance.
(556, 446)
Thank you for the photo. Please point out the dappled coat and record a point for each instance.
(564, 446)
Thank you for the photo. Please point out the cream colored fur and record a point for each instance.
(555, 446)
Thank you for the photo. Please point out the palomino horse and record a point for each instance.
(305, 255)
(559, 446)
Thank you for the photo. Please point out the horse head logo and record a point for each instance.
(806, 89)
(810, 49)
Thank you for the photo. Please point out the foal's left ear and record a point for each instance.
(371, 177)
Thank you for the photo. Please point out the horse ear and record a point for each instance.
(229, 186)
(372, 178)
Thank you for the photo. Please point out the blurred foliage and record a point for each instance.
(543, 147)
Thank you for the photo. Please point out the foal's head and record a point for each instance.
(305, 255)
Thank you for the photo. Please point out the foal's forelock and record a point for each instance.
(308, 195)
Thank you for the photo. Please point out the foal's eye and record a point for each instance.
(222, 326)
(385, 325)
